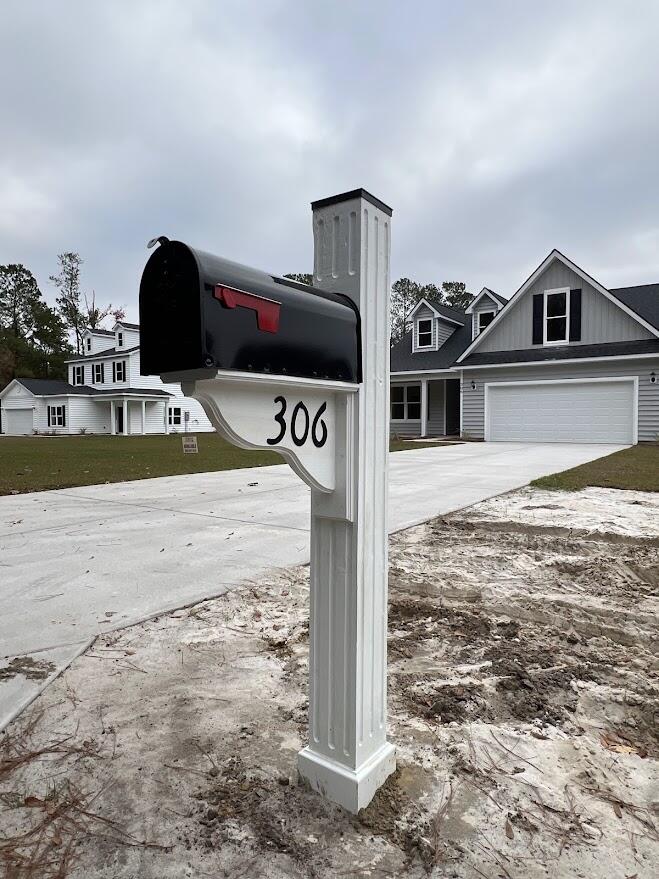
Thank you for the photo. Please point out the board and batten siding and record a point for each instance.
(601, 320)
(473, 401)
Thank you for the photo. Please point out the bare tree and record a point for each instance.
(68, 301)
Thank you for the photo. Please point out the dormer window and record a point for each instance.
(78, 375)
(120, 340)
(89, 344)
(424, 333)
(485, 318)
(556, 324)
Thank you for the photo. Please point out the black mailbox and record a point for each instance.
(198, 311)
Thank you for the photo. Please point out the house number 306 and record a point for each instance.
(300, 424)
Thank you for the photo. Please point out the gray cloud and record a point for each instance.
(495, 130)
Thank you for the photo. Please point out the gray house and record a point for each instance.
(564, 360)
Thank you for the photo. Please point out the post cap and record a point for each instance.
(349, 196)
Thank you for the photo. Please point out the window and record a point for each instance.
(557, 304)
(174, 416)
(424, 333)
(119, 371)
(98, 373)
(89, 344)
(78, 375)
(57, 416)
(485, 318)
(405, 402)
(120, 340)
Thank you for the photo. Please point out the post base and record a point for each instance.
(351, 788)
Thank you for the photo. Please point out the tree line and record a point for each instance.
(406, 294)
(35, 338)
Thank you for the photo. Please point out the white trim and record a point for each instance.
(603, 359)
(123, 352)
(434, 311)
(415, 335)
(555, 254)
(416, 372)
(477, 318)
(418, 306)
(462, 408)
(562, 381)
(546, 294)
(490, 295)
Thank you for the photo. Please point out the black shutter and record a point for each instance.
(538, 317)
(63, 416)
(575, 315)
(114, 371)
(49, 416)
(102, 381)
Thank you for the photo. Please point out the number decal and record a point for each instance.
(318, 425)
(300, 440)
(319, 441)
(279, 418)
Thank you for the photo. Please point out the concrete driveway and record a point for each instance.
(80, 561)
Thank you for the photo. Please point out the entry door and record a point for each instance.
(119, 419)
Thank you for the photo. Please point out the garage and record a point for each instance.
(562, 411)
(17, 422)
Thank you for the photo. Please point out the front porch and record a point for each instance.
(423, 406)
(131, 414)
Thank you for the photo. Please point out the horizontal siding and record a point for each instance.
(473, 401)
(601, 320)
(405, 429)
(436, 426)
(444, 331)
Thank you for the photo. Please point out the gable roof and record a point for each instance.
(47, 387)
(90, 332)
(126, 325)
(453, 315)
(403, 359)
(498, 300)
(107, 352)
(556, 254)
(644, 300)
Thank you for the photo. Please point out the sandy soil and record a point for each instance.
(524, 705)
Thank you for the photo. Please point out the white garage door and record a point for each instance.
(17, 422)
(561, 412)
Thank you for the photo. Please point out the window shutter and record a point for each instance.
(114, 371)
(538, 316)
(102, 373)
(49, 416)
(575, 315)
(63, 416)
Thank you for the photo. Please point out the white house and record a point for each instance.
(105, 393)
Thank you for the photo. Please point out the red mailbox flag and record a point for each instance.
(267, 310)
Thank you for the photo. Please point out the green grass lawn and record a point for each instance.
(41, 463)
(636, 468)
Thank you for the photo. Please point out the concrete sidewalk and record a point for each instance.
(81, 561)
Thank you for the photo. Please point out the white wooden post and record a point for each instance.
(113, 424)
(348, 756)
(424, 407)
(126, 429)
(143, 417)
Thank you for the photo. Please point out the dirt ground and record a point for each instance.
(523, 703)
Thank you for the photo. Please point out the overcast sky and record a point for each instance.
(495, 130)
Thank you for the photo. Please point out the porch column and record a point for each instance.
(112, 418)
(424, 406)
(126, 429)
(143, 417)
(166, 420)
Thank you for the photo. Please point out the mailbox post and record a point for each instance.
(305, 371)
